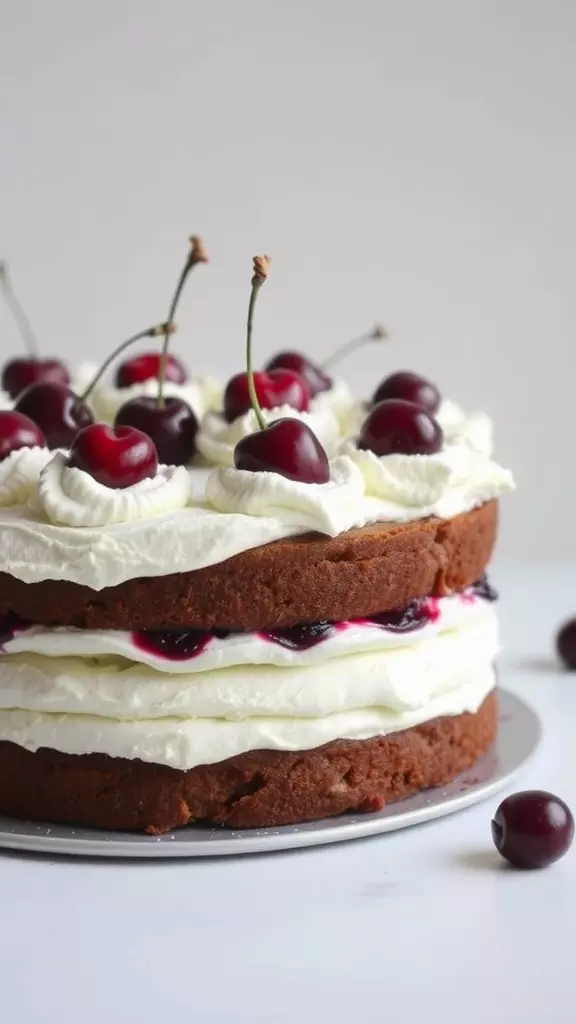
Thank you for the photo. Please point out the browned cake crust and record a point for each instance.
(254, 790)
(362, 572)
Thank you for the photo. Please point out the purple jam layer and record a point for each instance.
(10, 625)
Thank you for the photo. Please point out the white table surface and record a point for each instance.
(416, 926)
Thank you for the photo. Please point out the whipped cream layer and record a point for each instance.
(124, 710)
(401, 488)
(207, 652)
(20, 472)
(239, 511)
(340, 400)
(201, 394)
(217, 438)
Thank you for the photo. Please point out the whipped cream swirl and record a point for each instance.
(19, 473)
(201, 394)
(400, 488)
(217, 438)
(339, 399)
(329, 508)
(71, 497)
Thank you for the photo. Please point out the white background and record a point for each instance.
(410, 161)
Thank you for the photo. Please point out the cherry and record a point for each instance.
(279, 387)
(310, 372)
(19, 374)
(115, 456)
(301, 637)
(396, 426)
(172, 426)
(411, 388)
(146, 366)
(287, 447)
(532, 829)
(18, 431)
(58, 412)
(566, 644)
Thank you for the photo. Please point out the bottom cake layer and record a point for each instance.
(258, 789)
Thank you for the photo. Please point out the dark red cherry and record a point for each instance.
(314, 376)
(147, 367)
(115, 456)
(287, 447)
(395, 426)
(411, 388)
(279, 387)
(21, 373)
(532, 829)
(56, 410)
(172, 426)
(566, 644)
(18, 431)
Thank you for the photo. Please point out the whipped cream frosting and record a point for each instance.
(329, 508)
(19, 474)
(71, 497)
(183, 743)
(446, 614)
(340, 400)
(262, 508)
(5, 400)
(201, 393)
(401, 488)
(113, 707)
(217, 438)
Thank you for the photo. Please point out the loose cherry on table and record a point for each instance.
(172, 426)
(19, 374)
(146, 366)
(287, 447)
(18, 431)
(566, 644)
(411, 388)
(58, 412)
(532, 829)
(279, 387)
(116, 457)
(398, 427)
(310, 372)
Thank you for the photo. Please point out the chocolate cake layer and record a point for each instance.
(253, 790)
(302, 579)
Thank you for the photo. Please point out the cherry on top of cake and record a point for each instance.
(287, 446)
(117, 457)
(21, 372)
(18, 431)
(314, 374)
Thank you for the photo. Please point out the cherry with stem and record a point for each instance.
(287, 446)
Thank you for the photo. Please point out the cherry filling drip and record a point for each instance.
(415, 615)
(299, 638)
(10, 625)
(482, 588)
(176, 644)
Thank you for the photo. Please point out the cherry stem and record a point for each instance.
(150, 332)
(22, 321)
(378, 333)
(261, 264)
(196, 255)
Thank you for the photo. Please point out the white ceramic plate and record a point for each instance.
(519, 735)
